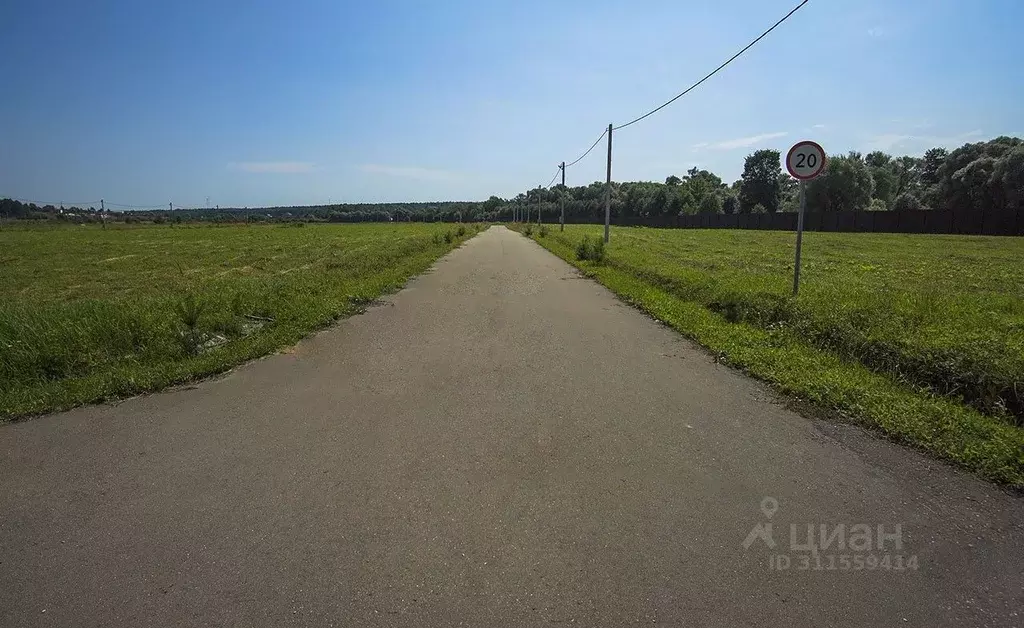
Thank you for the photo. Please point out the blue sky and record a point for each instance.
(257, 103)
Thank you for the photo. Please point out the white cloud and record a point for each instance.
(275, 167)
(890, 141)
(818, 126)
(411, 172)
(741, 142)
(887, 141)
(875, 31)
(954, 139)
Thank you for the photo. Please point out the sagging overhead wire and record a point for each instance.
(45, 203)
(557, 172)
(716, 70)
(128, 206)
(603, 133)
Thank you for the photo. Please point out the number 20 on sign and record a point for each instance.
(804, 161)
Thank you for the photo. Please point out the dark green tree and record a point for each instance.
(931, 164)
(881, 166)
(761, 181)
(846, 185)
(906, 174)
(731, 204)
(711, 204)
(905, 202)
(1008, 176)
(658, 204)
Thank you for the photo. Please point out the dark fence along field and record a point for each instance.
(989, 222)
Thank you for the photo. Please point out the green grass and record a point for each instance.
(88, 314)
(921, 337)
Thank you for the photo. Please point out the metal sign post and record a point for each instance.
(804, 161)
(799, 237)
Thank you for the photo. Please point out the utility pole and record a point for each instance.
(608, 189)
(103, 214)
(562, 197)
(799, 238)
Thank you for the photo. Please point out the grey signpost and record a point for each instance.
(804, 161)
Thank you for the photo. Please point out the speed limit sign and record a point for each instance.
(805, 160)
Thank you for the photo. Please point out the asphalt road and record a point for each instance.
(500, 443)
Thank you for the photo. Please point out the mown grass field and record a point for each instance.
(88, 314)
(919, 336)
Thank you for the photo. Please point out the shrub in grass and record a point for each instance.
(543, 231)
(448, 237)
(190, 310)
(590, 250)
(583, 249)
(528, 230)
(461, 231)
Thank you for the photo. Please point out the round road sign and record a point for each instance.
(805, 160)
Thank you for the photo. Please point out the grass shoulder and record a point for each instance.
(90, 314)
(985, 439)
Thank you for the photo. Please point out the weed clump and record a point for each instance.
(190, 310)
(590, 250)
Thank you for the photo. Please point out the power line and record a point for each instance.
(557, 172)
(603, 133)
(716, 70)
(135, 206)
(45, 203)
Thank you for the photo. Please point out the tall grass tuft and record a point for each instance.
(590, 250)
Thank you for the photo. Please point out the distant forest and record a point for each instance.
(975, 176)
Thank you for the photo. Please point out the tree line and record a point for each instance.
(973, 177)
(447, 211)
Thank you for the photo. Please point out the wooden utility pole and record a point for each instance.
(608, 189)
(562, 197)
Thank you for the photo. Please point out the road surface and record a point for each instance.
(500, 443)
